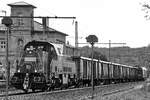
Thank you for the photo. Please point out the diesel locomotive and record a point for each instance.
(43, 66)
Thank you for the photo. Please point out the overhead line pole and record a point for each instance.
(76, 34)
(110, 47)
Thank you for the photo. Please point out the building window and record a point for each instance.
(20, 20)
(3, 42)
(20, 42)
(2, 45)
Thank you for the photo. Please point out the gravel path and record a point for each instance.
(139, 93)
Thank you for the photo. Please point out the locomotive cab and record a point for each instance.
(30, 62)
(28, 70)
(43, 66)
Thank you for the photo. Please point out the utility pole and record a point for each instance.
(76, 34)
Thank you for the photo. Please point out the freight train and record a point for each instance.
(44, 67)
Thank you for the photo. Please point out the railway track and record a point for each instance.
(116, 91)
(107, 93)
(104, 90)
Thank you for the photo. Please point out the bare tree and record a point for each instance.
(146, 9)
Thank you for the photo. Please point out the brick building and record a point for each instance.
(24, 30)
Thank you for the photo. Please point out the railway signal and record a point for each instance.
(92, 39)
(7, 21)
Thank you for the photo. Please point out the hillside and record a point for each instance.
(123, 55)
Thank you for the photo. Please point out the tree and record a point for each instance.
(87, 52)
(146, 9)
(98, 55)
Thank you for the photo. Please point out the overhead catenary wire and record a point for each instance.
(55, 16)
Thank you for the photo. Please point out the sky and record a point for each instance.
(121, 21)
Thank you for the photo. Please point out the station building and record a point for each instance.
(24, 30)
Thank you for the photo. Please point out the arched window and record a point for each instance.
(20, 42)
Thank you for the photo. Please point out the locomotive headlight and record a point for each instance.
(35, 70)
(18, 71)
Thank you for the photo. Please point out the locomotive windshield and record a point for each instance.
(36, 57)
(30, 59)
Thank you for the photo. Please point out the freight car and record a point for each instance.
(43, 66)
(106, 72)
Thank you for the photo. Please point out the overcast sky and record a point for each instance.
(115, 20)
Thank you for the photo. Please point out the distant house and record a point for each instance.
(24, 30)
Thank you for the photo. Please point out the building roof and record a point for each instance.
(39, 27)
(21, 3)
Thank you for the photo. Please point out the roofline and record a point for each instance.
(29, 5)
(50, 32)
